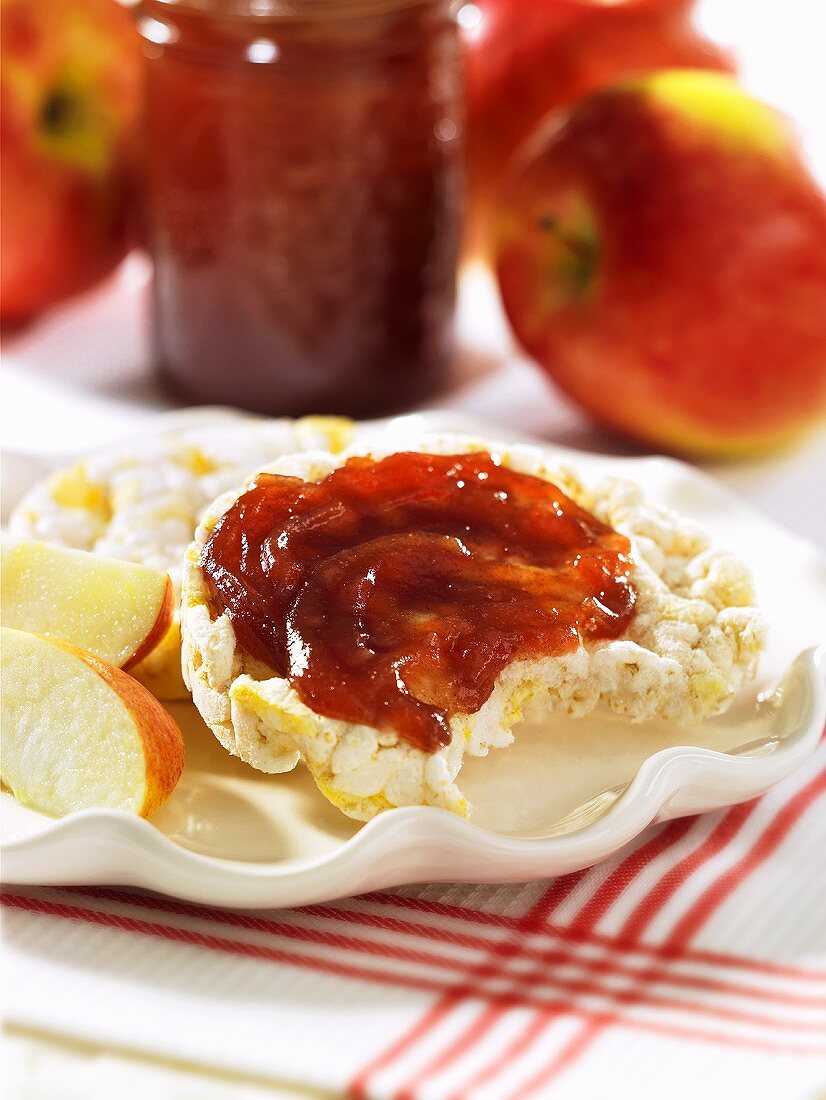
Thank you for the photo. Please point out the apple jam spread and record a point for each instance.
(304, 189)
(394, 591)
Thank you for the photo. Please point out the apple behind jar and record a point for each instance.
(71, 96)
(662, 255)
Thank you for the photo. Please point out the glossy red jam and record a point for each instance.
(393, 592)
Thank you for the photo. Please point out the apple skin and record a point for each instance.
(662, 254)
(526, 58)
(161, 737)
(70, 95)
(163, 623)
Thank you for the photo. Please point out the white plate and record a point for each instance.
(565, 795)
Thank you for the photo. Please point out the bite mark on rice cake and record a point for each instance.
(692, 642)
(393, 592)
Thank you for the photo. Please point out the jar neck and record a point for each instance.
(297, 38)
(301, 11)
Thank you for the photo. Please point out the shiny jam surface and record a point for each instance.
(394, 591)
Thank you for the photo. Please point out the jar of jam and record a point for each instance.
(304, 180)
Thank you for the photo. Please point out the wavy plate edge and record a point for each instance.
(416, 844)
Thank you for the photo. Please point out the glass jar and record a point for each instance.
(304, 180)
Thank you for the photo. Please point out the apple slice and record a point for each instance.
(79, 733)
(118, 610)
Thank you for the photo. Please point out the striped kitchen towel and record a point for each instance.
(692, 964)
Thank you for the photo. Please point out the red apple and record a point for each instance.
(662, 253)
(524, 58)
(69, 104)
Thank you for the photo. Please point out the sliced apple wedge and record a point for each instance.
(118, 610)
(78, 732)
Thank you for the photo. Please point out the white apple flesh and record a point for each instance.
(79, 733)
(118, 610)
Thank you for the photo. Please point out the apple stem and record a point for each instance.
(582, 249)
